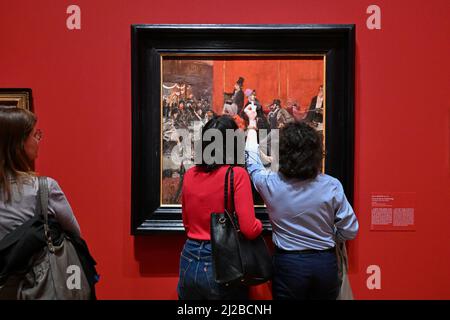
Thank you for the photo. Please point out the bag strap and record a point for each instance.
(43, 198)
(225, 189)
(230, 211)
(233, 211)
(232, 190)
(43, 209)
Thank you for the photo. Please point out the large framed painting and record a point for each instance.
(182, 75)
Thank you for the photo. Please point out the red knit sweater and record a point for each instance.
(203, 193)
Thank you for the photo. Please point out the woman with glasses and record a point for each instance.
(19, 147)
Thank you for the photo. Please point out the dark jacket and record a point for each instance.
(238, 99)
(18, 248)
(313, 115)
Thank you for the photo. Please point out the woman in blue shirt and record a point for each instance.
(308, 211)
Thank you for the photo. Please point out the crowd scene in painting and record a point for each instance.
(181, 111)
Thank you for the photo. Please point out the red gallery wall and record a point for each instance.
(81, 83)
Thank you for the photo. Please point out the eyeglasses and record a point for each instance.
(38, 135)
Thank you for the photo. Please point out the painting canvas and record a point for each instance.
(197, 88)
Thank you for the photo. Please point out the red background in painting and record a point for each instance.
(81, 83)
(287, 80)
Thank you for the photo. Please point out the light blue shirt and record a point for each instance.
(305, 214)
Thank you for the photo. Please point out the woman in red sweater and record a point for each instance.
(202, 194)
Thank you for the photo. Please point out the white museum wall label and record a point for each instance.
(374, 20)
(393, 211)
(374, 280)
(73, 21)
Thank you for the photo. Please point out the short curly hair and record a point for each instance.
(301, 151)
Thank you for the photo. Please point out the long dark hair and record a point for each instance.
(222, 124)
(16, 124)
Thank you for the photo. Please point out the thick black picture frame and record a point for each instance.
(149, 42)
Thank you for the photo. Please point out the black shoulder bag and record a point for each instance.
(237, 259)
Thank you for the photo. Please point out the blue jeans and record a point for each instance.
(305, 276)
(196, 279)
